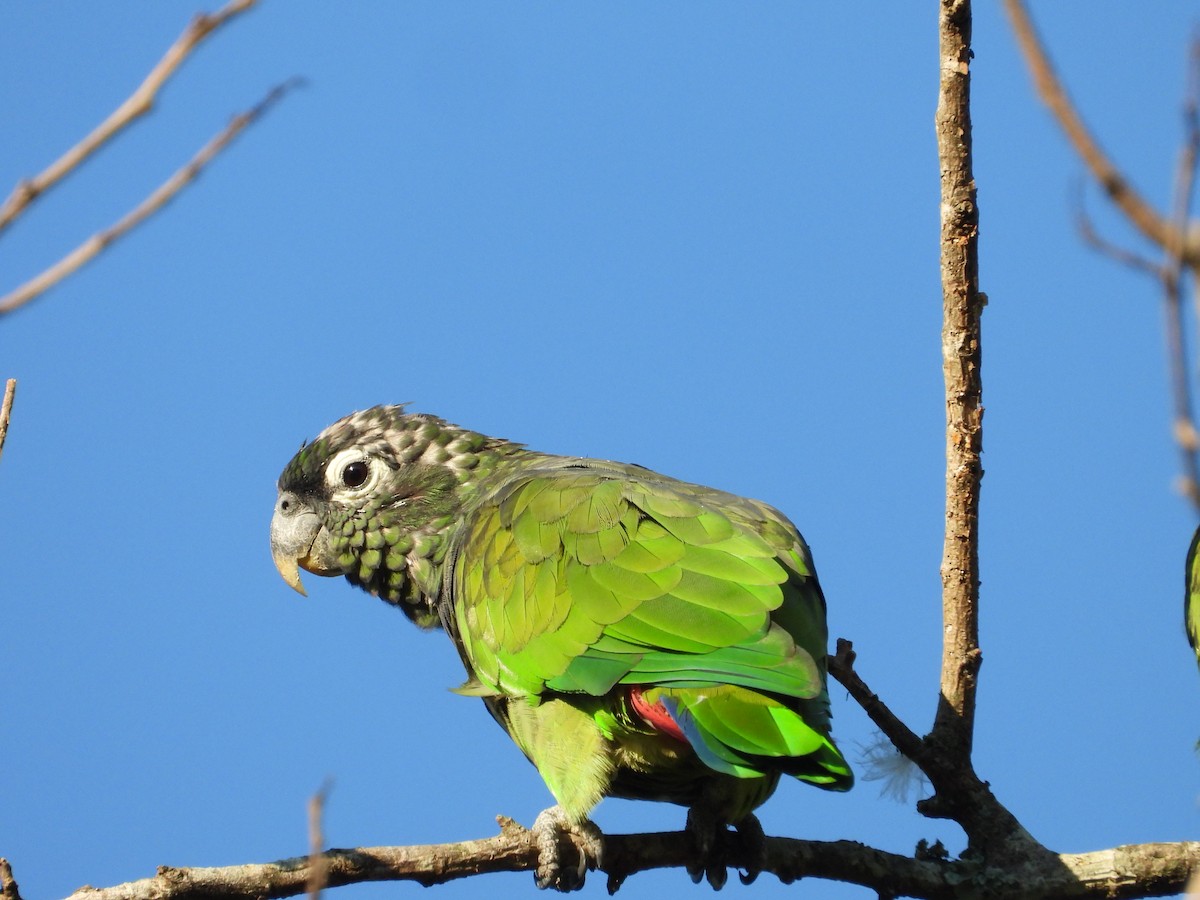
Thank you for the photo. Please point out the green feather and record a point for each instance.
(570, 585)
(1191, 595)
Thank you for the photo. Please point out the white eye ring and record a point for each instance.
(350, 470)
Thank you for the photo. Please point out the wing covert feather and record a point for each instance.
(577, 577)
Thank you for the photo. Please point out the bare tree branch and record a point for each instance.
(140, 102)
(10, 393)
(1143, 216)
(515, 850)
(1173, 281)
(94, 245)
(318, 865)
(841, 667)
(959, 793)
(1181, 249)
(8, 884)
(1144, 870)
(962, 305)
(1105, 247)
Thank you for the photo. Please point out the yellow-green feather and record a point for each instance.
(1191, 595)
(594, 576)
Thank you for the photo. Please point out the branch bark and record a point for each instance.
(959, 794)
(140, 102)
(8, 884)
(10, 394)
(1143, 870)
(962, 305)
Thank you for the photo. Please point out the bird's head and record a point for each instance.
(373, 498)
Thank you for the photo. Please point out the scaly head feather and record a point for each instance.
(374, 497)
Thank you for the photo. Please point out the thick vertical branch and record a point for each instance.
(962, 305)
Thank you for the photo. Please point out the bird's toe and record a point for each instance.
(566, 850)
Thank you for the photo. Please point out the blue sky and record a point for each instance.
(702, 237)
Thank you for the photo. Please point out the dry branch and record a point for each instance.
(1124, 872)
(318, 866)
(1092, 237)
(1171, 233)
(162, 195)
(959, 793)
(10, 393)
(1173, 284)
(1140, 213)
(140, 102)
(962, 305)
(8, 884)
(841, 667)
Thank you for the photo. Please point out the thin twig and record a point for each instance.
(959, 793)
(841, 667)
(138, 104)
(90, 248)
(1054, 95)
(962, 306)
(318, 864)
(1092, 237)
(10, 393)
(1173, 280)
(1170, 273)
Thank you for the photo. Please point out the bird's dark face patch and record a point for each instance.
(386, 487)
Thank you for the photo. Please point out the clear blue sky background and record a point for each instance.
(700, 236)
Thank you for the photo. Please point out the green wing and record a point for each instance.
(1191, 595)
(578, 577)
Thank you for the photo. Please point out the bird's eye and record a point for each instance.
(351, 470)
(355, 473)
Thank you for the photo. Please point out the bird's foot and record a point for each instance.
(751, 832)
(711, 835)
(554, 833)
(708, 834)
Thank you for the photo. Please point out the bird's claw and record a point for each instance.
(751, 832)
(552, 831)
(710, 836)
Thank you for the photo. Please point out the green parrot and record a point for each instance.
(635, 635)
(1191, 598)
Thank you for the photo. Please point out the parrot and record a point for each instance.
(635, 635)
(1191, 598)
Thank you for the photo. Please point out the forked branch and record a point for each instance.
(1141, 214)
(1171, 232)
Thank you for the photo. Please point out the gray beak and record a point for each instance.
(294, 529)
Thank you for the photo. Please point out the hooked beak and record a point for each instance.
(298, 539)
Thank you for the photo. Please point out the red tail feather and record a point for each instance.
(655, 714)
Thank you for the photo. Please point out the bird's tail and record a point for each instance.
(747, 734)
